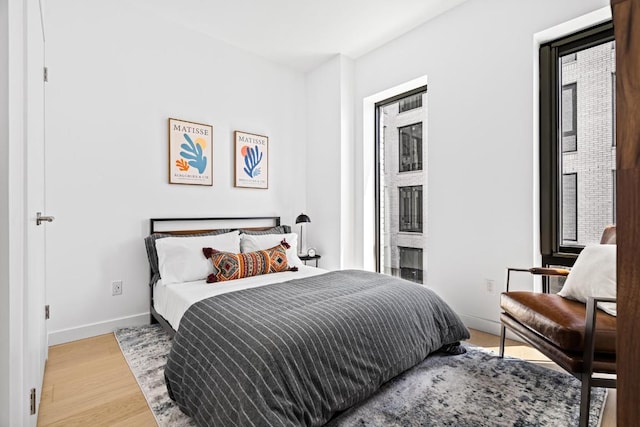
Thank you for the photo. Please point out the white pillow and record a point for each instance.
(257, 242)
(180, 259)
(593, 275)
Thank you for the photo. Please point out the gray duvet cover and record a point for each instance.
(295, 353)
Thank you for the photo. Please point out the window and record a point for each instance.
(570, 207)
(401, 178)
(411, 264)
(411, 147)
(569, 118)
(410, 103)
(577, 77)
(614, 195)
(613, 108)
(411, 209)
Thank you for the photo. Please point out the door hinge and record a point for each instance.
(47, 312)
(32, 401)
(46, 74)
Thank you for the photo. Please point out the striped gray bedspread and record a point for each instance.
(295, 353)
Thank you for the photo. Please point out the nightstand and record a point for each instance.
(306, 258)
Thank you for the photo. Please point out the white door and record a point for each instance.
(35, 290)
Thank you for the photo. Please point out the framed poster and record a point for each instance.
(190, 153)
(252, 160)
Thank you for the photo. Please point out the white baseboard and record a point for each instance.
(488, 326)
(95, 329)
(480, 324)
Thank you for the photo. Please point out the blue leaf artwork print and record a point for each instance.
(252, 158)
(194, 154)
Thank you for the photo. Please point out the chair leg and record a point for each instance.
(503, 334)
(585, 400)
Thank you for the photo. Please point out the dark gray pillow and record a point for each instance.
(152, 254)
(279, 229)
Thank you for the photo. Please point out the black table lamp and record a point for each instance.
(299, 220)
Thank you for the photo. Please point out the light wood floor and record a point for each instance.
(88, 383)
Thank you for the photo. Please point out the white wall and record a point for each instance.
(5, 306)
(330, 179)
(348, 222)
(13, 391)
(479, 59)
(323, 161)
(117, 73)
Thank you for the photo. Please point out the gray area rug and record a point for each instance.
(474, 389)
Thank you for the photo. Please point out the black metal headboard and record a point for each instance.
(194, 225)
(182, 226)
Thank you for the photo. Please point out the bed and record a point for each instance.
(289, 348)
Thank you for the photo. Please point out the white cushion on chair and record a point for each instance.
(593, 275)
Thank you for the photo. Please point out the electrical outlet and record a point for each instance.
(490, 285)
(116, 287)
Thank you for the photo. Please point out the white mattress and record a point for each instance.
(171, 301)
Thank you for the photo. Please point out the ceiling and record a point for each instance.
(302, 34)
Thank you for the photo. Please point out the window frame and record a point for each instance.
(400, 170)
(574, 176)
(574, 116)
(420, 251)
(614, 202)
(402, 109)
(412, 189)
(613, 109)
(552, 250)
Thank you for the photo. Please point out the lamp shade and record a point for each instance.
(302, 218)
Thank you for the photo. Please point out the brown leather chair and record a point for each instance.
(576, 336)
